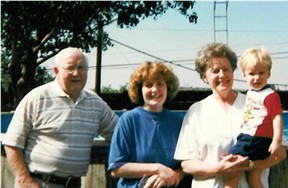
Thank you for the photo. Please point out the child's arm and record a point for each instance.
(277, 133)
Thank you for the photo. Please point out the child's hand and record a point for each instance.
(274, 147)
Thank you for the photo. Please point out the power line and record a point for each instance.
(159, 58)
(211, 30)
(179, 65)
(174, 61)
(191, 60)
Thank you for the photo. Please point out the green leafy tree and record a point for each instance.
(34, 31)
(109, 89)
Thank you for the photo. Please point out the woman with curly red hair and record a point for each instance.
(145, 138)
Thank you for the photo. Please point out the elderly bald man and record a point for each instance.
(49, 139)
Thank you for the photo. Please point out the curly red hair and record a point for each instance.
(155, 71)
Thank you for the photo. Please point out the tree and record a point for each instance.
(34, 31)
(109, 89)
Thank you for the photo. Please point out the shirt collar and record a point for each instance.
(59, 91)
(265, 87)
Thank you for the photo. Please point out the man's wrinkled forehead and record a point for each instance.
(74, 59)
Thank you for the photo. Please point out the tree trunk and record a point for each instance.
(23, 65)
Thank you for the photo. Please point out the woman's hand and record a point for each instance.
(154, 181)
(232, 166)
(165, 177)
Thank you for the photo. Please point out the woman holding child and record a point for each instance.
(211, 126)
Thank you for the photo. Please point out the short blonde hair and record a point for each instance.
(253, 56)
(210, 51)
(149, 70)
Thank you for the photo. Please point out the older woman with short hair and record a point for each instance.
(211, 126)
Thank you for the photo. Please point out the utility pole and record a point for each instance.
(99, 58)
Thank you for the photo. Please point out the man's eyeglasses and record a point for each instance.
(71, 69)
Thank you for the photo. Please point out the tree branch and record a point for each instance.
(43, 41)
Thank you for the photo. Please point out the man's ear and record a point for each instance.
(205, 79)
(56, 70)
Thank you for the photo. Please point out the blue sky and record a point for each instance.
(171, 37)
